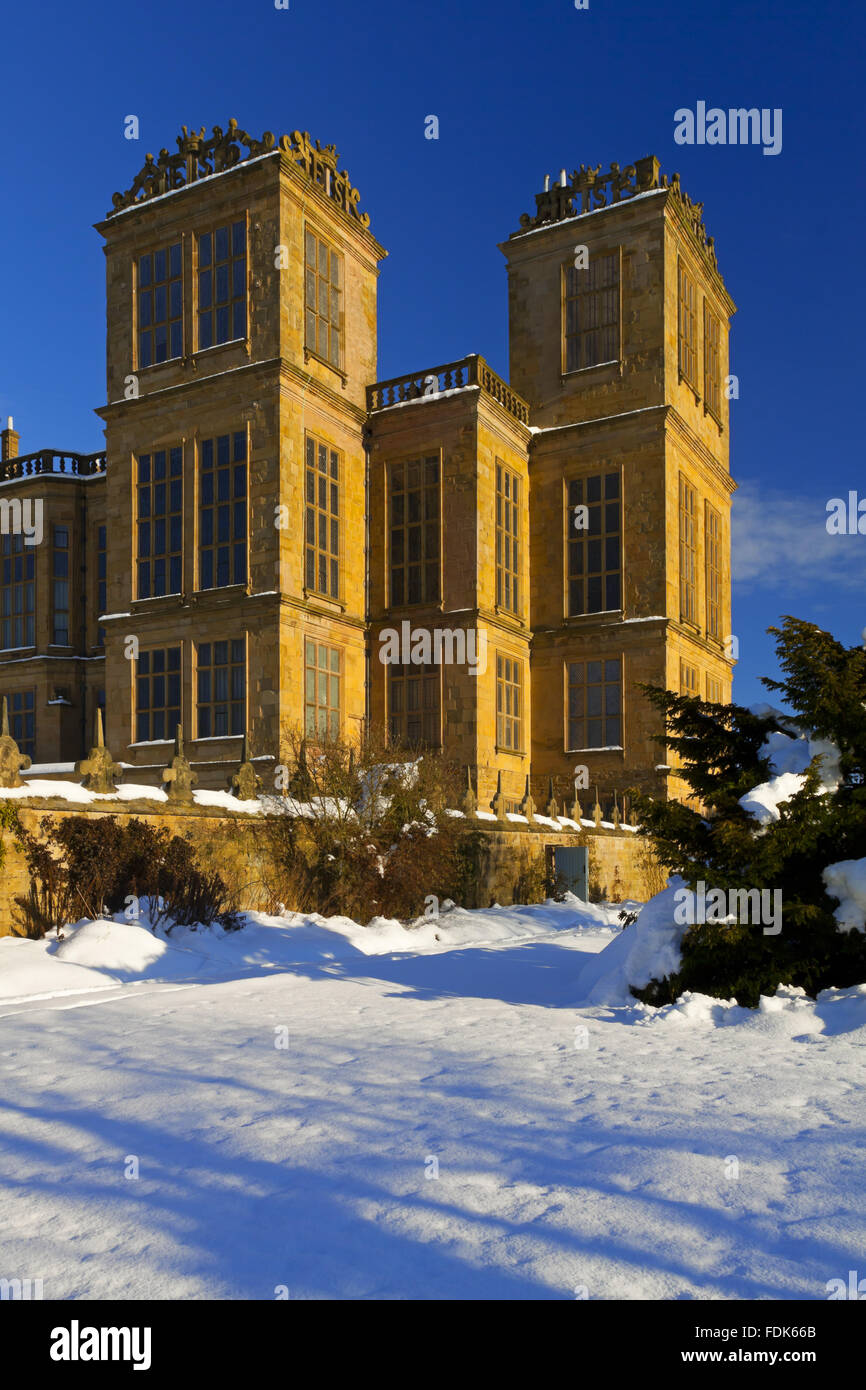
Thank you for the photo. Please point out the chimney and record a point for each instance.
(9, 440)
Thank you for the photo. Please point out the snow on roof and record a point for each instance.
(598, 419)
(127, 791)
(582, 216)
(184, 188)
(431, 396)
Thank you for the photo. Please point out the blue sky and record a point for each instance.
(520, 90)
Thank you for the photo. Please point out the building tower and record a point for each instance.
(619, 325)
(241, 311)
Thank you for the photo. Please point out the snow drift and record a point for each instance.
(647, 950)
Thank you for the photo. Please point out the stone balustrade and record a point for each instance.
(452, 376)
(52, 461)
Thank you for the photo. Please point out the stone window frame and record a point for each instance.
(428, 523)
(150, 288)
(713, 586)
(166, 707)
(688, 551)
(61, 564)
(583, 684)
(237, 659)
(712, 363)
(233, 501)
(12, 546)
(571, 292)
(690, 679)
(316, 282)
(327, 515)
(314, 705)
(510, 704)
(211, 228)
(101, 580)
(170, 515)
(714, 689)
(429, 677)
(687, 327)
(575, 539)
(19, 712)
(509, 539)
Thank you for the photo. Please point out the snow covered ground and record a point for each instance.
(356, 1113)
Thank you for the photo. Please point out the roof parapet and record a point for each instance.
(199, 156)
(588, 190)
(51, 461)
(453, 376)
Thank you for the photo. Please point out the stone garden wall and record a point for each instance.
(231, 844)
(510, 855)
(618, 866)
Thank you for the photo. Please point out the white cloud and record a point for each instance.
(780, 541)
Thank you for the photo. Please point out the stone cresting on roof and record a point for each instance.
(589, 190)
(199, 156)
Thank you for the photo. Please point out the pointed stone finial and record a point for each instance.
(12, 760)
(469, 804)
(499, 803)
(527, 805)
(596, 810)
(179, 776)
(552, 803)
(245, 783)
(615, 816)
(576, 810)
(99, 772)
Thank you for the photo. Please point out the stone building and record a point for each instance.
(274, 539)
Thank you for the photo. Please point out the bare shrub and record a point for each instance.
(87, 866)
(366, 830)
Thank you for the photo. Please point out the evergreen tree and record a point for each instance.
(721, 844)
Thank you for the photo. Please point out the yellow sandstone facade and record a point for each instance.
(275, 540)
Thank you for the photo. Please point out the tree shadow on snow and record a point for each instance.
(539, 972)
(357, 1219)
